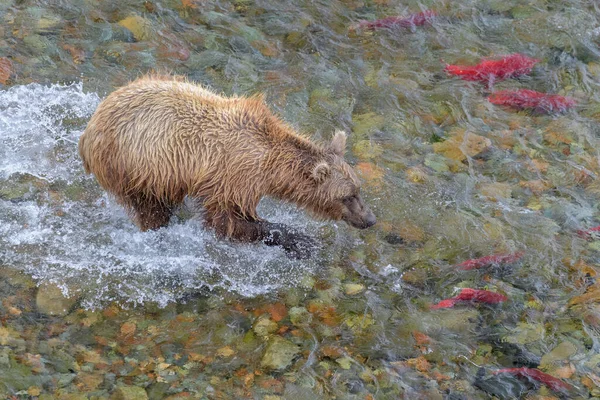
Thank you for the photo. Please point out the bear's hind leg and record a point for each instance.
(149, 213)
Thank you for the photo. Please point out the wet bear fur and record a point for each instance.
(161, 138)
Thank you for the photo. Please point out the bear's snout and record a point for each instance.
(357, 214)
(364, 220)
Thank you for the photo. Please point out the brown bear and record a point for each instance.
(161, 138)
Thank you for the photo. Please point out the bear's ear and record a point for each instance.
(338, 143)
(320, 172)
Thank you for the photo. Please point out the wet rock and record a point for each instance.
(299, 315)
(207, 59)
(279, 354)
(367, 149)
(48, 23)
(496, 190)
(436, 162)
(129, 393)
(6, 70)
(15, 191)
(416, 174)
(503, 386)
(264, 326)
(118, 33)
(462, 144)
(36, 44)
(353, 288)
(40, 20)
(560, 353)
(140, 27)
(367, 123)
(525, 333)
(50, 300)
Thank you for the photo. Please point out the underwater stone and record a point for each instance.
(279, 354)
(299, 315)
(51, 301)
(140, 27)
(264, 326)
(560, 353)
(129, 393)
(353, 288)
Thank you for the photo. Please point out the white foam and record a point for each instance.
(90, 247)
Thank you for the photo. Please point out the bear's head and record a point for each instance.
(337, 189)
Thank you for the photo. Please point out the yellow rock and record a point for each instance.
(462, 144)
(416, 174)
(140, 27)
(225, 351)
(353, 288)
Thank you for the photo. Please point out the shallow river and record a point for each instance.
(468, 195)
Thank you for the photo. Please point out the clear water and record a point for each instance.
(177, 312)
(85, 243)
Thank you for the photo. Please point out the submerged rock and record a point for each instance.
(279, 354)
(353, 288)
(50, 300)
(129, 393)
(140, 27)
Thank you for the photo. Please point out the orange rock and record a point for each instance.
(369, 171)
(592, 295)
(77, 54)
(536, 186)
(128, 328)
(329, 316)
(332, 351)
(419, 363)
(184, 318)
(6, 70)
(420, 338)
(283, 329)
(278, 311)
(589, 382)
(564, 372)
(539, 165)
(189, 3)
(438, 376)
(556, 137)
(248, 379)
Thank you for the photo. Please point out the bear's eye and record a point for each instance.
(348, 200)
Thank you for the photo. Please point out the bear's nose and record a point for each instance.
(370, 219)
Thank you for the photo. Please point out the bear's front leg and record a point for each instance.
(231, 225)
(293, 242)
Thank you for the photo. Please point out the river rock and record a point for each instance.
(129, 393)
(279, 354)
(140, 27)
(264, 326)
(51, 301)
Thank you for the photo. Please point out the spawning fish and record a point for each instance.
(494, 70)
(493, 259)
(475, 295)
(585, 233)
(525, 98)
(553, 383)
(418, 19)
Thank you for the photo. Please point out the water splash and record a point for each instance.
(60, 227)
